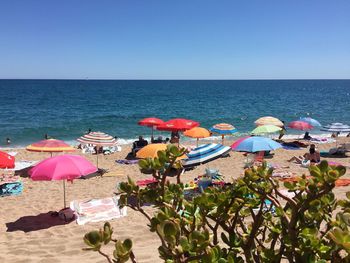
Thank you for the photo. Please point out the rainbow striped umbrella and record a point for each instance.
(223, 129)
(50, 145)
(98, 139)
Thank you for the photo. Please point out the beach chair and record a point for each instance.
(259, 157)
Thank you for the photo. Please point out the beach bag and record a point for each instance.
(305, 163)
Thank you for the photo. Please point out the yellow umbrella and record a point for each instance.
(50, 145)
(197, 132)
(268, 120)
(151, 150)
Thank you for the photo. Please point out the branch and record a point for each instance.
(106, 256)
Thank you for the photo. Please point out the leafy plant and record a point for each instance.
(248, 220)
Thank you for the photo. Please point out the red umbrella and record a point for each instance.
(150, 122)
(177, 125)
(6, 161)
(300, 125)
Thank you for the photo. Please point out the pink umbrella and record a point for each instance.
(300, 125)
(62, 167)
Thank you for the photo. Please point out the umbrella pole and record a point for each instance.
(222, 136)
(64, 194)
(51, 154)
(197, 142)
(97, 160)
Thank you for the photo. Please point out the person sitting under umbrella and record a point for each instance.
(307, 136)
(312, 157)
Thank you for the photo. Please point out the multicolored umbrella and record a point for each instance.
(150, 122)
(311, 121)
(300, 125)
(50, 145)
(205, 153)
(177, 125)
(62, 167)
(257, 144)
(7, 161)
(98, 139)
(197, 132)
(235, 144)
(268, 120)
(223, 129)
(265, 129)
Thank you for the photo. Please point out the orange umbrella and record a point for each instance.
(151, 151)
(50, 145)
(197, 132)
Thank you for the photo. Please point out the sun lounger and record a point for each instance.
(96, 210)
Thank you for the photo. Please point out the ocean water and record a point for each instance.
(65, 109)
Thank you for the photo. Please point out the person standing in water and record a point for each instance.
(282, 132)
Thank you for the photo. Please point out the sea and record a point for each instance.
(66, 109)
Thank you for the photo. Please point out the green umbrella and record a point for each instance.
(265, 129)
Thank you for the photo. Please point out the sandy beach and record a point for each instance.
(29, 234)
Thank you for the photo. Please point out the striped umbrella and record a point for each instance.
(205, 153)
(336, 127)
(268, 120)
(50, 145)
(223, 129)
(98, 139)
(197, 132)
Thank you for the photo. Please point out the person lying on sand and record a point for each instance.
(313, 156)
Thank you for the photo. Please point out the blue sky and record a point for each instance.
(182, 39)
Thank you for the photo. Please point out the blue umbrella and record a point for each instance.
(205, 153)
(257, 144)
(311, 121)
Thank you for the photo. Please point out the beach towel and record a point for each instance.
(124, 161)
(290, 148)
(10, 185)
(146, 182)
(96, 210)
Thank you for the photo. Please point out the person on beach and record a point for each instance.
(46, 136)
(307, 136)
(89, 131)
(312, 156)
(175, 137)
(8, 141)
(283, 131)
(137, 145)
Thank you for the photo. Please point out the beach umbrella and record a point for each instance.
(265, 129)
(50, 145)
(336, 127)
(233, 146)
(257, 144)
(223, 129)
(62, 167)
(177, 125)
(311, 121)
(98, 139)
(197, 132)
(205, 153)
(7, 161)
(151, 151)
(300, 125)
(268, 120)
(151, 122)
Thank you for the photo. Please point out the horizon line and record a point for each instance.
(151, 79)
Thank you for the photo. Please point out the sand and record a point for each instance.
(29, 234)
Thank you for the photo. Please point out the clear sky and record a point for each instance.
(174, 39)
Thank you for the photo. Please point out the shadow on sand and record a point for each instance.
(34, 223)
